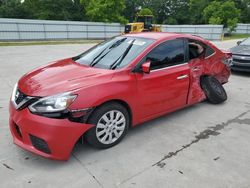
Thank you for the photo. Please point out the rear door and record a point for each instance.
(165, 88)
(196, 53)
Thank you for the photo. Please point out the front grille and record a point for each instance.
(243, 64)
(20, 96)
(241, 61)
(40, 144)
(22, 100)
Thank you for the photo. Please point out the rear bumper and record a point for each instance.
(224, 75)
(50, 138)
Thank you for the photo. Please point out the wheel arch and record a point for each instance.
(207, 75)
(203, 76)
(119, 101)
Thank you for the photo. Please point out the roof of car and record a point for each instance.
(154, 35)
(160, 35)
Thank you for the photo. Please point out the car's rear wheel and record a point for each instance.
(111, 124)
(213, 90)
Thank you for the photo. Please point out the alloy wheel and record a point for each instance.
(110, 127)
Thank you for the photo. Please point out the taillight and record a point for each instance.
(228, 58)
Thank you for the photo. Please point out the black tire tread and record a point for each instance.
(90, 135)
(212, 96)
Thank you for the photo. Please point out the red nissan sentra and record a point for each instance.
(115, 85)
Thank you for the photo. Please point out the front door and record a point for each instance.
(165, 88)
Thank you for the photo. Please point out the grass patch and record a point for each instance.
(28, 43)
(236, 36)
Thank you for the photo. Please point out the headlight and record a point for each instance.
(13, 96)
(54, 103)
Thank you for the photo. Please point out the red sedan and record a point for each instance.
(115, 85)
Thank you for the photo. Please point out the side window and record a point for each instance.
(167, 54)
(209, 51)
(196, 49)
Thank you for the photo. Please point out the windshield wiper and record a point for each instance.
(117, 43)
(121, 58)
(92, 62)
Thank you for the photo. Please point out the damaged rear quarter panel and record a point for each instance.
(211, 66)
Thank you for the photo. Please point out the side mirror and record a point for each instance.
(239, 42)
(146, 67)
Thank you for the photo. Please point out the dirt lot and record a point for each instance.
(204, 145)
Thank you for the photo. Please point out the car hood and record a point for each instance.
(61, 76)
(241, 49)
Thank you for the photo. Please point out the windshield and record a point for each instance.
(114, 53)
(246, 42)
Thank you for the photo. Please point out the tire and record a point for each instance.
(213, 90)
(99, 135)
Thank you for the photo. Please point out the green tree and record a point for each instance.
(32, 8)
(56, 10)
(77, 11)
(171, 21)
(196, 9)
(132, 8)
(105, 10)
(224, 13)
(12, 9)
(180, 11)
(244, 6)
(145, 12)
(162, 9)
(42, 9)
(165, 11)
(213, 12)
(158, 7)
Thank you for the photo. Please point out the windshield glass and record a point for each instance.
(246, 42)
(114, 53)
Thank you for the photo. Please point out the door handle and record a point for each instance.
(182, 77)
(196, 69)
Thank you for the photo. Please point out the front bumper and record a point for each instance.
(243, 68)
(241, 63)
(48, 137)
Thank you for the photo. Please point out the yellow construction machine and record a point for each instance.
(143, 23)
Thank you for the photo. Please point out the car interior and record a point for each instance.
(195, 49)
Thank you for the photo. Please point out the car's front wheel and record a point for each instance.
(111, 124)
